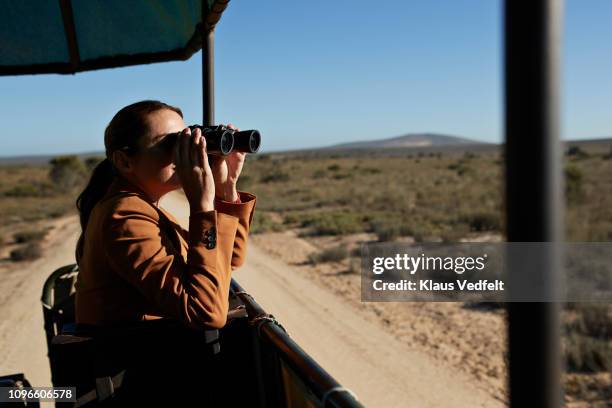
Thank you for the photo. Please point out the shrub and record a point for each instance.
(454, 234)
(593, 320)
(29, 236)
(30, 251)
(385, 230)
(460, 167)
(262, 222)
(67, 172)
(275, 177)
(92, 162)
(244, 182)
(587, 354)
(577, 152)
(333, 223)
(263, 157)
(23, 190)
(333, 167)
(354, 266)
(319, 174)
(334, 254)
(371, 170)
(588, 346)
(356, 251)
(482, 221)
(573, 183)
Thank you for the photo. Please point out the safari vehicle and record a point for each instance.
(252, 361)
(256, 362)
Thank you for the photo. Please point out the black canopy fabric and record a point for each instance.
(69, 36)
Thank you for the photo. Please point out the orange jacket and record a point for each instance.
(138, 263)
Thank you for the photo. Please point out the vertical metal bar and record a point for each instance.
(70, 32)
(208, 75)
(533, 190)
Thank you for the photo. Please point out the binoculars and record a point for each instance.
(221, 140)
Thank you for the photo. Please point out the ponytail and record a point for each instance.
(101, 179)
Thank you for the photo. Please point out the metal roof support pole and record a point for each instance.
(208, 75)
(533, 192)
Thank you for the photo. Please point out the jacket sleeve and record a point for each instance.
(244, 212)
(194, 292)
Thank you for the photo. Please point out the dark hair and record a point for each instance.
(123, 132)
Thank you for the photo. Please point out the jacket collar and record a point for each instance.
(121, 185)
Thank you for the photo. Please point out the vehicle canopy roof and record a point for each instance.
(70, 36)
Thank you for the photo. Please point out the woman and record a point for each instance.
(135, 261)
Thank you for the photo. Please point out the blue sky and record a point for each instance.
(315, 73)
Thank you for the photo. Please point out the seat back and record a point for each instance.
(58, 300)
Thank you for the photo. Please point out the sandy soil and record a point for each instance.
(413, 364)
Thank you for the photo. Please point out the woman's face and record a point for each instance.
(153, 166)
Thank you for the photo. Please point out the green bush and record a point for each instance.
(92, 162)
(573, 183)
(23, 190)
(460, 167)
(333, 223)
(67, 172)
(262, 222)
(385, 230)
(334, 254)
(275, 177)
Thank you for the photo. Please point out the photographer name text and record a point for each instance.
(430, 285)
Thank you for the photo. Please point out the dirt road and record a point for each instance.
(22, 337)
(381, 371)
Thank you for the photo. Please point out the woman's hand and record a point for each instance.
(226, 170)
(194, 171)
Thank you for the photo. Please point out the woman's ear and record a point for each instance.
(122, 162)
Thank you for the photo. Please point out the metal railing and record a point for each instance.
(283, 365)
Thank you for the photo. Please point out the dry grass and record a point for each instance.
(427, 196)
(27, 195)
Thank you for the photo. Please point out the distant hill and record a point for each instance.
(413, 143)
(409, 140)
(38, 160)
